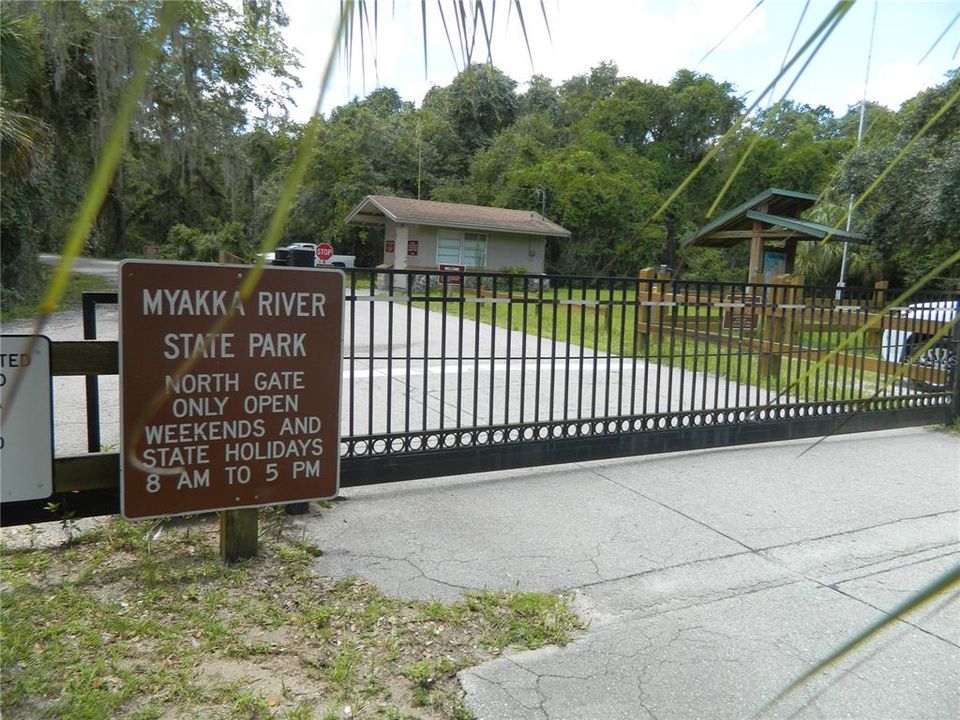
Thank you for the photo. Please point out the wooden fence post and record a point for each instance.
(874, 336)
(776, 328)
(644, 319)
(880, 293)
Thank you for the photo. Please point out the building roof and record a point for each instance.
(377, 209)
(774, 208)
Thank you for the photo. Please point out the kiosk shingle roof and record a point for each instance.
(774, 207)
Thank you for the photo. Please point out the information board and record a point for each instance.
(228, 402)
(26, 423)
(740, 318)
(451, 279)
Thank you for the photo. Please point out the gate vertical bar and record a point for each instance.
(523, 348)
(633, 349)
(371, 363)
(373, 283)
(509, 355)
(621, 350)
(444, 285)
(580, 342)
(955, 335)
(478, 311)
(536, 390)
(554, 312)
(461, 299)
(408, 389)
(353, 352)
(493, 348)
(424, 424)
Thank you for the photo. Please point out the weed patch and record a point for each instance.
(143, 621)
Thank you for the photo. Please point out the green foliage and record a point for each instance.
(183, 160)
(11, 308)
(481, 103)
(24, 143)
(913, 217)
(206, 157)
(186, 243)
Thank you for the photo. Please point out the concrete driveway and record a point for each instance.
(709, 579)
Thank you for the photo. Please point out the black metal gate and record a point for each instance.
(451, 373)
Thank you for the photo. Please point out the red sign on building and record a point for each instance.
(413, 247)
(227, 401)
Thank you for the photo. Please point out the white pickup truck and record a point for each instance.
(338, 261)
(926, 319)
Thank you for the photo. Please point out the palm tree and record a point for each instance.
(21, 134)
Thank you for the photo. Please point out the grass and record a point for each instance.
(615, 335)
(76, 286)
(143, 621)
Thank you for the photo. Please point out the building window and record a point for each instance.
(456, 248)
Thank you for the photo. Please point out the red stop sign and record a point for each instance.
(324, 252)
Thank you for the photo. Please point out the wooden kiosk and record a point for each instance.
(771, 223)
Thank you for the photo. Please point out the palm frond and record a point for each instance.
(523, 28)
(730, 32)
(939, 586)
(833, 18)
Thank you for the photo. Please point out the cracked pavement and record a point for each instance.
(710, 580)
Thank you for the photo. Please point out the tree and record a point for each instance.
(182, 161)
(581, 92)
(541, 97)
(481, 102)
(913, 217)
(697, 111)
(24, 146)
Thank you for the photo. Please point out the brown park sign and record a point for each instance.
(228, 402)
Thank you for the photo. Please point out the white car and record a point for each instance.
(900, 346)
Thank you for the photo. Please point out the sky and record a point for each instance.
(649, 40)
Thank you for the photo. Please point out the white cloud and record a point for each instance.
(893, 83)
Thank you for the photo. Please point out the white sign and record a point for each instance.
(26, 424)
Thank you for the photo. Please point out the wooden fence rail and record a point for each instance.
(783, 315)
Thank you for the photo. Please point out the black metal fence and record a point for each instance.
(492, 361)
(475, 371)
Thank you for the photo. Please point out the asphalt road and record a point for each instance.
(710, 580)
(106, 269)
